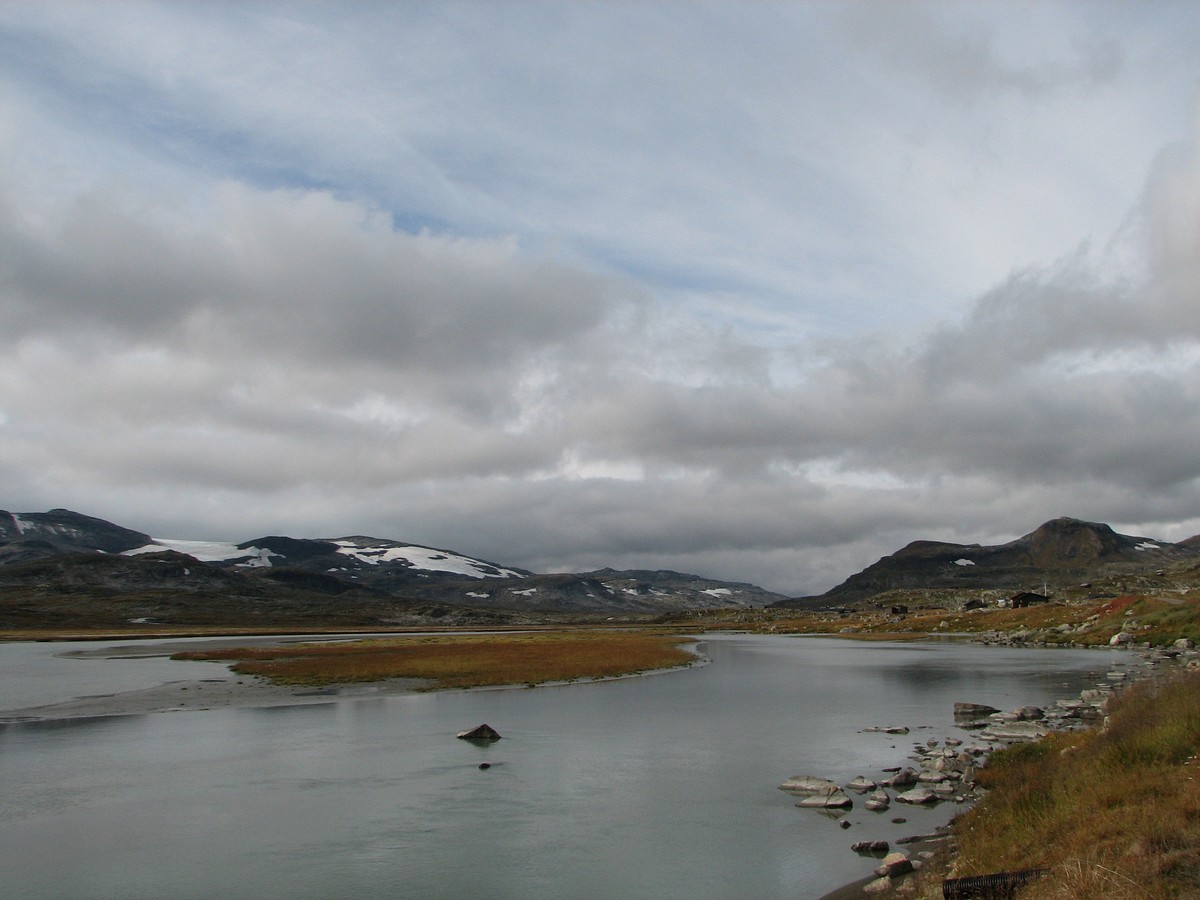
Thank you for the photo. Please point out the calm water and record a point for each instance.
(655, 787)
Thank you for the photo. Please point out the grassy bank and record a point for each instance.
(460, 661)
(1113, 813)
(1154, 619)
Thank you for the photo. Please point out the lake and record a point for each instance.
(655, 787)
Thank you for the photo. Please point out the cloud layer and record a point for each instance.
(599, 285)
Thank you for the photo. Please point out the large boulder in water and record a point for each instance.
(480, 733)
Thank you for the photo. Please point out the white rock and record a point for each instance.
(809, 784)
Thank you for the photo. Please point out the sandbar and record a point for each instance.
(227, 690)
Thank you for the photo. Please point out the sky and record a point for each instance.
(756, 291)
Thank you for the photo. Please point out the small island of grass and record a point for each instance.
(463, 661)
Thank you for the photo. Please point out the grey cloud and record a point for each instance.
(295, 277)
(964, 57)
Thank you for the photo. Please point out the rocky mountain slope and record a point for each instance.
(61, 564)
(1062, 552)
(37, 535)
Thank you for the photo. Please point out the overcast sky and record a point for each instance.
(759, 291)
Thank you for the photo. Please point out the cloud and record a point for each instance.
(297, 354)
(966, 58)
(591, 285)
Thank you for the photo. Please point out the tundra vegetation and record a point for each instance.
(1156, 619)
(1113, 812)
(462, 661)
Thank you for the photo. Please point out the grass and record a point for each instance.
(1113, 813)
(1156, 619)
(461, 661)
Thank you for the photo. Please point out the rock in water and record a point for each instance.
(973, 710)
(809, 784)
(480, 733)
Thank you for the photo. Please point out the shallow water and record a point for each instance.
(655, 787)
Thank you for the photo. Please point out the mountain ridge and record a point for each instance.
(1058, 552)
(46, 557)
(366, 571)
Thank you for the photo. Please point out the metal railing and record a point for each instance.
(1000, 886)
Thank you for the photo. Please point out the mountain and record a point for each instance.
(36, 535)
(62, 565)
(60, 568)
(1060, 552)
(374, 561)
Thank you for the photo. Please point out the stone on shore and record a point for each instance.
(878, 801)
(871, 847)
(917, 796)
(894, 864)
(809, 784)
(1012, 732)
(973, 710)
(836, 800)
(904, 778)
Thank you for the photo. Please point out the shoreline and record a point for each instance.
(1149, 662)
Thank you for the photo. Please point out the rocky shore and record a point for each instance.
(941, 770)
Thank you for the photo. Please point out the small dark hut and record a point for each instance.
(1027, 598)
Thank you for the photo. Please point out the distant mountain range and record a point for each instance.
(376, 581)
(65, 569)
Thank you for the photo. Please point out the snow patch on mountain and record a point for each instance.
(422, 558)
(209, 551)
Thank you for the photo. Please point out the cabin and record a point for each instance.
(1027, 598)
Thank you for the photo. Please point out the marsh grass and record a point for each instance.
(461, 661)
(1113, 813)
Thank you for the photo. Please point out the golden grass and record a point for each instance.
(1112, 813)
(461, 661)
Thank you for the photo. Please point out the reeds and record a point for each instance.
(461, 661)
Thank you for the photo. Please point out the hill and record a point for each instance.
(1061, 553)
